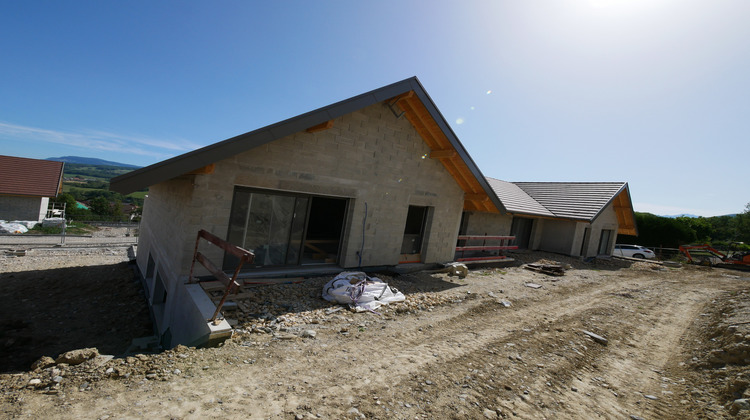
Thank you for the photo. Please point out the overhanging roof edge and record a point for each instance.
(440, 120)
(178, 165)
(610, 200)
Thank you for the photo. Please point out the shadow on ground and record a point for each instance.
(49, 312)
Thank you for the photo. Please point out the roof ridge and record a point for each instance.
(535, 200)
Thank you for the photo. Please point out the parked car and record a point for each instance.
(633, 251)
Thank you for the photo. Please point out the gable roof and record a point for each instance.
(30, 177)
(406, 97)
(582, 201)
(517, 200)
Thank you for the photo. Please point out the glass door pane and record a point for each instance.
(297, 233)
(268, 227)
(285, 229)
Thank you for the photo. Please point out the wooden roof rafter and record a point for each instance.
(475, 198)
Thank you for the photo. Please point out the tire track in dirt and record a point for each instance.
(456, 361)
(477, 328)
(338, 380)
(605, 377)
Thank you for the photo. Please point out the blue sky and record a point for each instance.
(652, 92)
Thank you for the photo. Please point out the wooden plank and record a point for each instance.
(485, 248)
(220, 275)
(410, 258)
(552, 270)
(205, 170)
(320, 127)
(243, 254)
(480, 197)
(396, 99)
(213, 286)
(443, 154)
(483, 259)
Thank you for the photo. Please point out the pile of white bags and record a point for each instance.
(16, 227)
(360, 292)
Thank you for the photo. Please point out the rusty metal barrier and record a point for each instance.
(231, 284)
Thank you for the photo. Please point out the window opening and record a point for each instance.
(585, 241)
(604, 241)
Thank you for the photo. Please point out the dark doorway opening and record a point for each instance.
(521, 229)
(411, 247)
(324, 228)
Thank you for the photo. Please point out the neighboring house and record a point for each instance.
(26, 186)
(375, 180)
(571, 218)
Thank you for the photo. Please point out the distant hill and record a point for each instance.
(90, 161)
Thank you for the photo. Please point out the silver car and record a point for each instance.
(633, 251)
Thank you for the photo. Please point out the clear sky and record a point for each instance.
(652, 92)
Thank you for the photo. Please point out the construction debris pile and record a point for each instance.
(272, 307)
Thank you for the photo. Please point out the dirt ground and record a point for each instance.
(678, 343)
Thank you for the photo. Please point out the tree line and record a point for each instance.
(101, 206)
(719, 231)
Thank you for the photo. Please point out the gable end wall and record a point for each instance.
(369, 157)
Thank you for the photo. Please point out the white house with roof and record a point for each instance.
(570, 218)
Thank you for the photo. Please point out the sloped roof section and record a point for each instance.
(583, 201)
(30, 177)
(516, 200)
(407, 96)
(573, 200)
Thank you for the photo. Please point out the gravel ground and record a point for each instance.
(678, 346)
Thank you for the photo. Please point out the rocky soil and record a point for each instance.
(486, 346)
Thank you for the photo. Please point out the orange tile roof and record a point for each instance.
(30, 177)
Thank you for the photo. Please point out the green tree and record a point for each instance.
(659, 231)
(100, 206)
(117, 210)
(743, 225)
(700, 225)
(71, 206)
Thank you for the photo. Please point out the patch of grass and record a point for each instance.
(138, 194)
(73, 228)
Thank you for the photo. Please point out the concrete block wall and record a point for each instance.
(369, 157)
(491, 224)
(23, 208)
(606, 220)
(557, 236)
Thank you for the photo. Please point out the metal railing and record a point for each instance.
(231, 284)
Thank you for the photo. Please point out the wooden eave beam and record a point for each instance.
(477, 197)
(419, 126)
(443, 154)
(443, 150)
(320, 127)
(205, 170)
(395, 100)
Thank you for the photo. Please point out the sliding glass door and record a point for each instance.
(285, 229)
